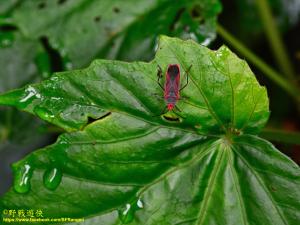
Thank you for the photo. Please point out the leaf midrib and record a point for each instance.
(263, 187)
(237, 187)
(209, 188)
(144, 188)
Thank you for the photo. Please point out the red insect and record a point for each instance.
(172, 86)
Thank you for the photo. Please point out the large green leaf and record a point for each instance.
(82, 29)
(131, 167)
(176, 176)
(222, 95)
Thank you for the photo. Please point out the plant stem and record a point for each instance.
(289, 87)
(281, 136)
(274, 38)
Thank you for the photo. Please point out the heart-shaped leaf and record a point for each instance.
(206, 166)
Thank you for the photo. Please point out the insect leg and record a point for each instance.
(159, 76)
(162, 112)
(176, 107)
(177, 113)
(187, 77)
(184, 98)
(158, 96)
(159, 71)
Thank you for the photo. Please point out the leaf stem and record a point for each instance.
(281, 136)
(289, 87)
(274, 39)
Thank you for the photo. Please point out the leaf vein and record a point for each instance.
(209, 189)
(263, 187)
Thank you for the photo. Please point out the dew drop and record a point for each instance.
(126, 214)
(30, 93)
(44, 113)
(22, 179)
(207, 41)
(52, 178)
(140, 204)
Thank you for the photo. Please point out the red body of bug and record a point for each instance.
(172, 86)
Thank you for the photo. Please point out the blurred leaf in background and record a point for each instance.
(246, 23)
(286, 14)
(81, 30)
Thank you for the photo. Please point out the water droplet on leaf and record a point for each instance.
(126, 214)
(207, 41)
(44, 113)
(31, 93)
(140, 204)
(22, 179)
(52, 178)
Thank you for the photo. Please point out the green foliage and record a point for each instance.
(87, 29)
(223, 94)
(249, 25)
(130, 166)
(82, 30)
